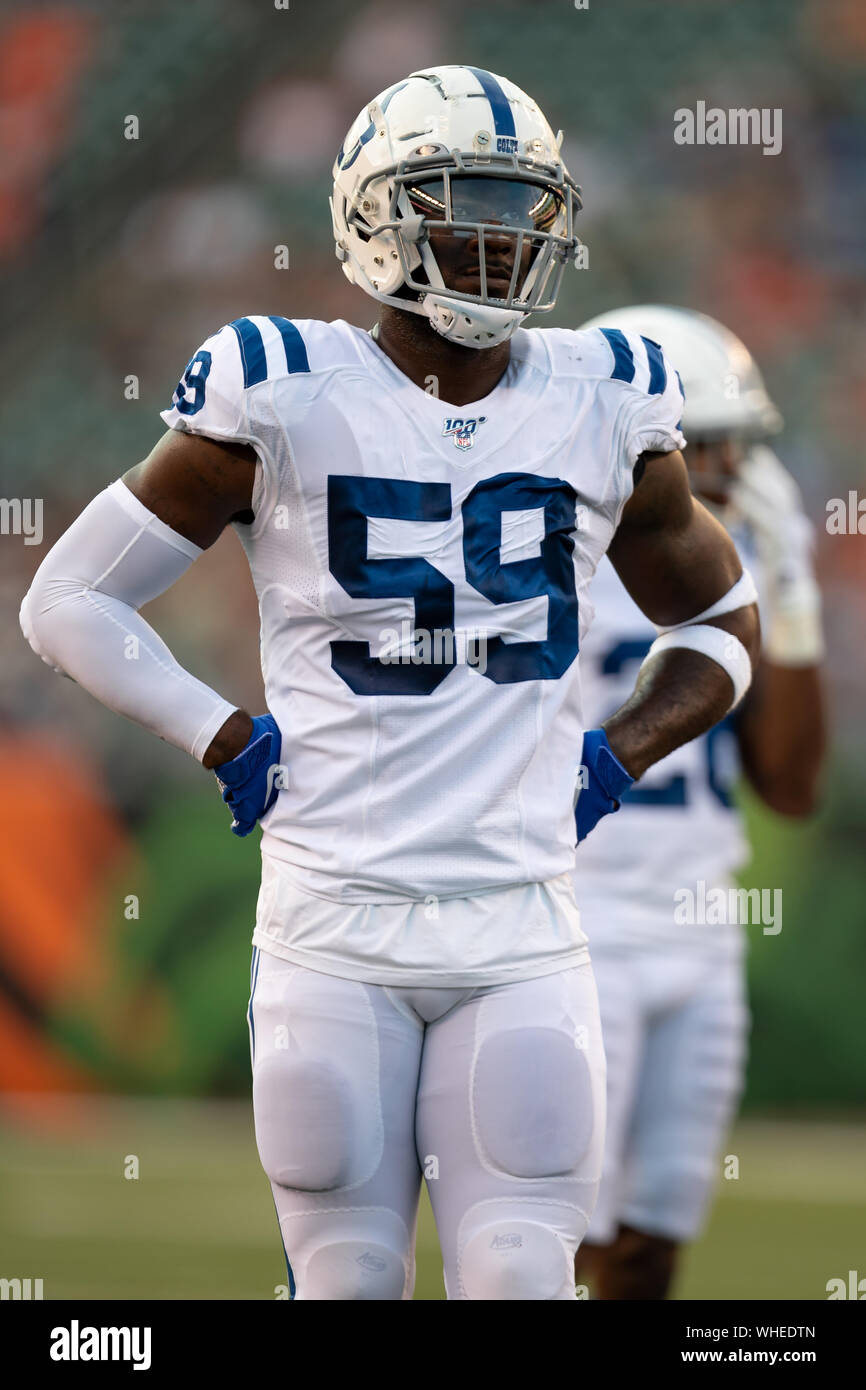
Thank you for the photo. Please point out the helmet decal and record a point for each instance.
(503, 121)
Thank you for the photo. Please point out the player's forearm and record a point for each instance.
(231, 738)
(81, 616)
(679, 695)
(782, 736)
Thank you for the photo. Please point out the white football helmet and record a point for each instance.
(724, 390)
(469, 153)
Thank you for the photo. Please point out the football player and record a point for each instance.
(423, 506)
(671, 985)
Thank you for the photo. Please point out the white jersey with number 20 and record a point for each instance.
(678, 827)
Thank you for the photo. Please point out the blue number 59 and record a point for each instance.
(352, 500)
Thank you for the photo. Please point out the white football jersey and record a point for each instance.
(422, 572)
(678, 826)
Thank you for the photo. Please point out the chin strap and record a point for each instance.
(471, 325)
(486, 325)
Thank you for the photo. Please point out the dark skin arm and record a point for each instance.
(675, 560)
(197, 486)
(782, 737)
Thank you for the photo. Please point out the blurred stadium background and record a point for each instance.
(125, 906)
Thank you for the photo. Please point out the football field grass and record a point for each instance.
(194, 1217)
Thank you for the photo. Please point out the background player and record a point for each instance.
(420, 983)
(672, 995)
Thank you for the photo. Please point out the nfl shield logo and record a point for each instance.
(463, 431)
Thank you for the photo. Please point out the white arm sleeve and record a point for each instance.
(80, 615)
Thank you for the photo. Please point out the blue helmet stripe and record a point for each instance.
(658, 376)
(623, 358)
(251, 343)
(296, 352)
(503, 120)
(346, 161)
(366, 135)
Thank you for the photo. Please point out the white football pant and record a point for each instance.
(495, 1095)
(675, 1026)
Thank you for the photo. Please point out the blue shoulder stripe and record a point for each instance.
(296, 351)
(251, 344)
(623, 357)
(503, 119)
(658, 375)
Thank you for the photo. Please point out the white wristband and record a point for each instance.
(720, 646)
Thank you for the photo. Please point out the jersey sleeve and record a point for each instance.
(218, 396)
(209, 398)
(653, 416)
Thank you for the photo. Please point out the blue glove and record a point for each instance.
(248, 782)
(605, 781)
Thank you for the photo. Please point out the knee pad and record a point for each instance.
(349, 1255)
(354, 1270)
(516, 1259)
(532, 1102)
(304, 1124)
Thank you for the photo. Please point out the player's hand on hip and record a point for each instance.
(250, 783)
(603, 781)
